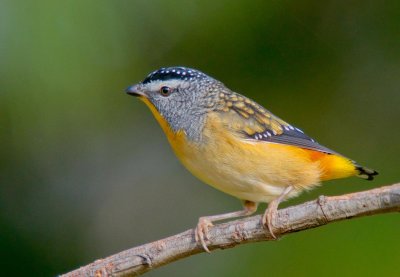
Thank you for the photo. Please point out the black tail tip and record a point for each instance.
(366, 173)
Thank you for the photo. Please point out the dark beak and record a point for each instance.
(134, 90)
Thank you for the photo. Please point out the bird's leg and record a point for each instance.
(270, 212)
(201, 232)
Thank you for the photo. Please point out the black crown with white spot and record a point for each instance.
(171, 73)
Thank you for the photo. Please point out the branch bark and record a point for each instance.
(312, 214)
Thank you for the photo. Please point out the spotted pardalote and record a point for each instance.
(235, 145)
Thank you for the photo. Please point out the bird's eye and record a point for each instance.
(165, 91)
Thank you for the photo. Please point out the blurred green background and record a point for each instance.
(85, 171)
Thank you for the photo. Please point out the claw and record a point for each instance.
(268, 218)
(269, 215)
(201, 232)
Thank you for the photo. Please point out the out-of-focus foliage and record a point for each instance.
(86, 172)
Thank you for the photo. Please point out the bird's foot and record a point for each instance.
(270, 213)
(269, 217)
(201, 232)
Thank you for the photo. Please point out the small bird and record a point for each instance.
(235, 145)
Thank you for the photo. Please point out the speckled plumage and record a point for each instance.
(211, 128)
(235, 145)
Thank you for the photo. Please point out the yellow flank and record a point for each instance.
(248, 169)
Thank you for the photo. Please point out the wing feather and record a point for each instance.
(297, 138)
(255, 122)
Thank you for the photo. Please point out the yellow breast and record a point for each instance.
(247, 169)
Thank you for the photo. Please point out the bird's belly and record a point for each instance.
(253, 171)
(226, 177)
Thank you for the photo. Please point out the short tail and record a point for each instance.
(366, 173)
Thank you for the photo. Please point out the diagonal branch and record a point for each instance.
(140, 259)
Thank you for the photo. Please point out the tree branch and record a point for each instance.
(140, 259)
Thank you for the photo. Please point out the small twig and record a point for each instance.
(140, 259)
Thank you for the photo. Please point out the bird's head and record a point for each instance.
(181, 96)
